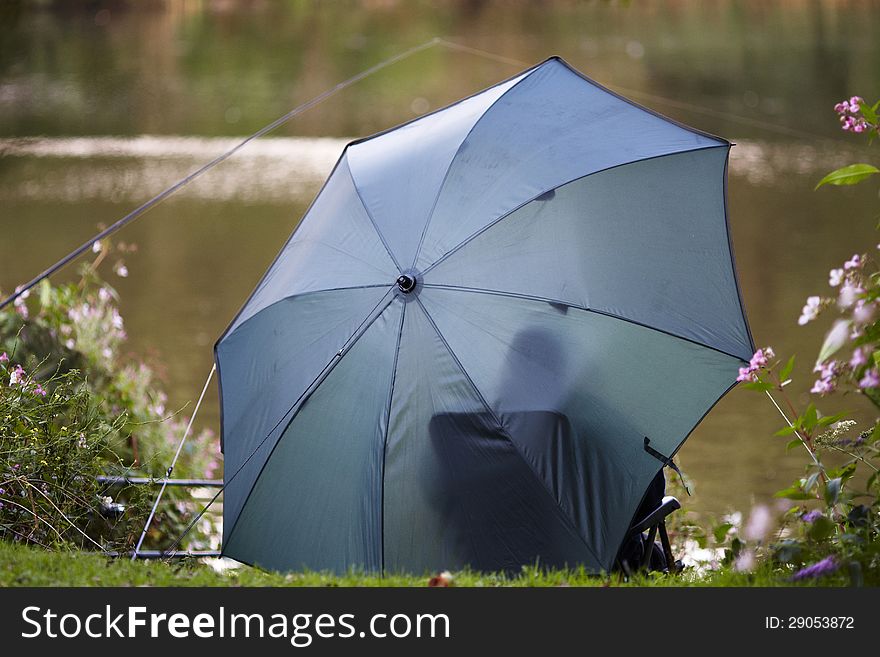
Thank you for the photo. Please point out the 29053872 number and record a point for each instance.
(809, 623)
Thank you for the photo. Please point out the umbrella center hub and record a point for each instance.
(406, 283)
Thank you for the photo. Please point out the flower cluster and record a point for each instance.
(858, 307)
(819, 569)
(759, 359)
(851, 117)
(20, 303)
(18, 377)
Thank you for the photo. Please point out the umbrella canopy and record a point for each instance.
(456, 357)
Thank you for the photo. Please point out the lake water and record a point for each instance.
(103, 105)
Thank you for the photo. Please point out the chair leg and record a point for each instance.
(649, 548)
(667, 548)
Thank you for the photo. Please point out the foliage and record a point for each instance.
(73, 407)
(53, 440)
(834, 520)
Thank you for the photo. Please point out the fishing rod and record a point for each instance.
(183, 182)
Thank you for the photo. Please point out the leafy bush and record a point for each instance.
(72, 408)
(833, 524)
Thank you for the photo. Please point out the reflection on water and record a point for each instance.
(90, 104)
(277, 170)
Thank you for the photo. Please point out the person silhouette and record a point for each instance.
(497, 508)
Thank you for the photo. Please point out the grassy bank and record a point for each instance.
(24, 566)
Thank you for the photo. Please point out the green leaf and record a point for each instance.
(793, 493)
(760, 386)
(810, 482)
(786, 431)
(830, 419)
(792, 444)
(868, 112)
(820, 529)
(789, 551)
(849, 175)
(832, 491)
(834, 339)
(844, 472)
(720, 531)
(873, 394)
(810, 417)
(786, 370)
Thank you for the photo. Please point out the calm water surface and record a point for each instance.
(102, 105)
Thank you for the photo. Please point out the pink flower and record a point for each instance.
(746, 374)
(858, 359)
(121, 270)
(810, 311)
(848, 294)
(17, 377)
(759, 359)
(20, 303)
(871, 379)
(853, 263)
(39, 391)
(835, 277)
(759, 523)
(745, 562)
(827, 370)
(4, 358)
(822, 387)
(863, 313)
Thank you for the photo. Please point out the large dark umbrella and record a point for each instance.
(457, 356)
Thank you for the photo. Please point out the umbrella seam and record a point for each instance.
(567, 304)
(498, 220)
(302, 399)
(357, 192)
(572, 526)
(385, 440)
(523, 75)
(299, 295)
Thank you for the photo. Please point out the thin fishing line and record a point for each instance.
(757, 123)
(436, 41)
(141, 209)
(173, 463)
(358, 332)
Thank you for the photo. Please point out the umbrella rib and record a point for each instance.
(495, 222)
(371, 317)
(574, 306)
(568, 520)
(385, 440)
(301, 295)
(357, 193)
(522, 77)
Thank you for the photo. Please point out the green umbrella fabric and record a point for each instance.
(457, 356)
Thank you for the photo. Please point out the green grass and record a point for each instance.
(27, 566)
